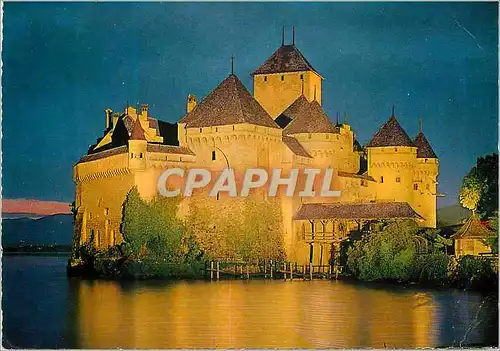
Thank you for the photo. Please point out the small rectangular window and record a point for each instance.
(415, 186)
(213, 155)
(132, 155)
(282, 78)
(140, 155)
(398, 180)
(265, 78)
(381, 179)
(302, 76)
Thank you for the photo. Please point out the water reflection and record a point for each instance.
(265, 314)
(44, 309)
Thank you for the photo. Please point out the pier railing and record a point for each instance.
(216, 270)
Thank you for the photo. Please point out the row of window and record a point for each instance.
(283, 78)
(398, 180)
(132, 155)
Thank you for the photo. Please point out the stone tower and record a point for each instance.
(283, 78)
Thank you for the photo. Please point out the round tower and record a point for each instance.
(425, 180)
(391, 162)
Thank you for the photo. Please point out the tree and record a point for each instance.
(479, 191)
(470, 192)
(152, 230)
(386, 253)
(492, 241)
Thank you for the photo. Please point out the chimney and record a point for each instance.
(109, 119)
(191, 103)
(144, 110)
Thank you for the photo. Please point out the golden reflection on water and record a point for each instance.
(251, 314)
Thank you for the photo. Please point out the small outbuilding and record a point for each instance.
(470, 238)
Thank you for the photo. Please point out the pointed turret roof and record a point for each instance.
(137, 132)
(296, 107)
(286, 59)
(310, 119)
(229, 103)
(292, 111)
(473, 228)
(424, 149)
(390, 134)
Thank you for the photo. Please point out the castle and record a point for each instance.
(282, 125)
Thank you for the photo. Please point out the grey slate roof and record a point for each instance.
(168, 149)
(424, 149)
(229, 103)
(390, 134)
(310, 119)
(102, 154)
(286, 59)
(356, 211)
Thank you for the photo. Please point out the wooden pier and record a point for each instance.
(271, 270)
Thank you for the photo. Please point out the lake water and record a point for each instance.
(42, 308)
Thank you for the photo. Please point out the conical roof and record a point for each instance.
(296, 107)
(390, 134)
(229, 103)
(424, 149)
(292, 111)
(286, 59)
(473, 228)
(137, 132)
(310, 119)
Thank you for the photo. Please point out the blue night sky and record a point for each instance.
(64, 63)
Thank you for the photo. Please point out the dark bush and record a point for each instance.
(474, 273)
(432, 268)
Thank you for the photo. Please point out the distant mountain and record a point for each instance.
(452, 215)
(49, 230)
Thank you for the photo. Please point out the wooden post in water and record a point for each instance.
(248, 273)
(271, 269)
(211, 270)
(329, 271)
(291, 271)
(304, 271)
(284, 270)
(218, 275)
(265, 270)
(241, 272)
(311, 272)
